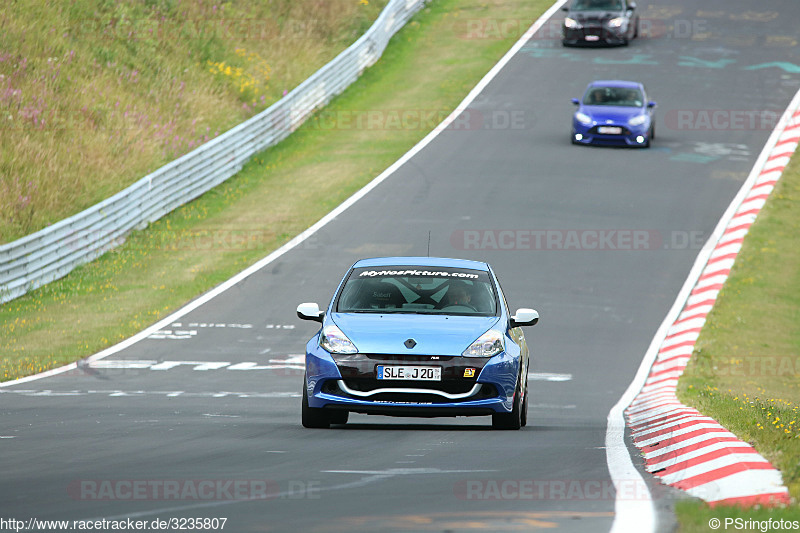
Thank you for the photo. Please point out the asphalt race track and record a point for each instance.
(190, 407)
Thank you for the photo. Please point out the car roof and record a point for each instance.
(421, 261)
(616, 83)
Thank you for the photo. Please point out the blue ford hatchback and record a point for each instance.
(419, 337)
(614, 112)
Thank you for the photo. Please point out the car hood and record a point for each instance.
(600, 113)
(585, 16)
(446, 335)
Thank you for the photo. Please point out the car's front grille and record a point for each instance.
(623, 130)
(363, 367)
(406, 358)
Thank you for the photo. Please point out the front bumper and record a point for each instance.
(637, 136)
(348, 382)
(593, 35)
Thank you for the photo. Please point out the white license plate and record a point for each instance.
(592, 38)
(609, 130)
(423, 373)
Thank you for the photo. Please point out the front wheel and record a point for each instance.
(313, 417)
(339, 417)
(514, 419)
(525, 406)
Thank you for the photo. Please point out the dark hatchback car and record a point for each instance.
(600, 22)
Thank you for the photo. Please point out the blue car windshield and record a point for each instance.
(418, 290)
(614, 96)
(597, 5)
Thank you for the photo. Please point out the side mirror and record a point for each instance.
(576, 101)
(631, 5)
(565, 9)
(524, 317)
(651, 104)
(309, 311)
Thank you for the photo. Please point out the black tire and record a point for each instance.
(525, 406)
(313, 417)
(339, 417)
(636, 29)
(653, 131)
(512, 420)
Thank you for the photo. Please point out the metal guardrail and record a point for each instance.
(53, 252)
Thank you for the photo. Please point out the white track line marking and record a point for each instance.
(545, 376)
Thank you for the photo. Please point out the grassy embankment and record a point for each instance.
(430, 66)
(95, 95)
(745, 369)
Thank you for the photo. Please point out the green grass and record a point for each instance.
(433, 61)
(745, 369)
(95, 95)
(694, 518)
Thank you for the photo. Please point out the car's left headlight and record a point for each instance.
(572, 24)
(489, 344)
(583, 118)
(638, 120)
(616, 22)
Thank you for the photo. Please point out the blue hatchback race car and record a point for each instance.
(420, 337)
(614, 112)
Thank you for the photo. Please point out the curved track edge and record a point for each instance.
(680, 446)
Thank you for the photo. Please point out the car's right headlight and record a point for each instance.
(572, 24)
(333, 340)
(616, 22)
(583, 118)
(638, 120)
(487, 345)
